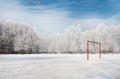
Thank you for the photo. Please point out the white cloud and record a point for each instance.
(44, 18)
(11, 10)
(88, 24)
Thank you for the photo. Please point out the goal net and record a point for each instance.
(88, 48)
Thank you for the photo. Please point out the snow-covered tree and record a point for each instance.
(20, 37)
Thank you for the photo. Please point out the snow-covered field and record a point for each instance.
(59, 66)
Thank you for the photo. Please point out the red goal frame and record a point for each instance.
(88, 46)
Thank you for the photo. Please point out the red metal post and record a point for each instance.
(87, 51)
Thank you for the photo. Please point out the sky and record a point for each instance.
(56, 15)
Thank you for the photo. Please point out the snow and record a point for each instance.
(59, 66)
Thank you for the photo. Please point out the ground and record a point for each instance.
(60, 66)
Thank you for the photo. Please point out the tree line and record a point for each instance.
(22, 38)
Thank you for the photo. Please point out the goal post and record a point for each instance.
(88, 48)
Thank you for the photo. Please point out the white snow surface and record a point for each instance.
(59, 66)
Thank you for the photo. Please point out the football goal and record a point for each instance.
(88, 48)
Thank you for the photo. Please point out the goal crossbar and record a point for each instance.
(88, 46)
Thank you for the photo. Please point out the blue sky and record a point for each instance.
(80, 8)
(57, 15)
